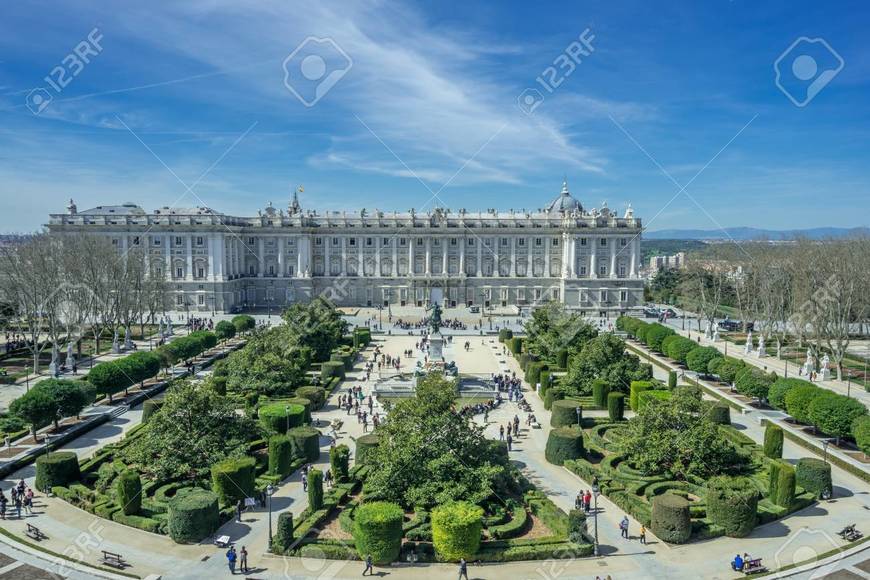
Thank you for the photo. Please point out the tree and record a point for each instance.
(198, 425)
(430, 455)
(317, 325)
(861, 433)
(551, 328)
(36, 407)
(71, 397)
(834, 414)
(655, 334)
(225, 330)
(698, 359)
(604, 357)
(271, 363)
(754, 382)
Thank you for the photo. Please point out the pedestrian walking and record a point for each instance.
(463, 569)
(239, 508)
(642, 534)
(501, 432)
(28, 505)
(510, 441)
(304, 482)
(243, 560)
(231, 560)
(623, 527)
(369, 568)
(18, 504)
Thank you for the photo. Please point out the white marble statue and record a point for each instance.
(747, 348)
(808, 363)
(128, 338)
(761, 352)
(116, 347)
(825, 370)
(716, 335)
(70, 357)
(708, 331)
(54, 366)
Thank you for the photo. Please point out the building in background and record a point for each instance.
(656, 263)
(587, 259)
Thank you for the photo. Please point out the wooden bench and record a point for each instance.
(35, 533)
(222, 541)
(113, 559)
(753, 567)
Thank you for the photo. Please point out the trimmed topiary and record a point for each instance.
(280, 455)
(279, 417)
(753, 382)
(224, 330)
(315, 489)
(720, 413)
(732, 504)
(729, 368)
(798, 400)
(616, 406)
(564, 443)
(834, 414)
(814, 475)
(456, 530)
(552, 395)
(305, 442)
(672, 380)
(861, 433)
(128, 492)
(306, 404)
(284, 535)
(58, 468)
(679, 348)
(670, 520)
(698, 359)
(577, 526)
(505, 334)
(317, 395)
(714, 364)
(533, 376)
(331, 369)
(515, 346)
(600, 390)
(655, 334)
(377, 531)
(339, 462)
(364, 446)
(655, 395)
(773, 438)
(193, 515)
(564, 412)
(150, 407)
(636, 388)
(233, 479)
(562, 358)
(545, 380)
(780, 387)
(781, 483)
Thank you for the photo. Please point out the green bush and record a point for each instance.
(284, 535)
(331, 369)
(655, 334)
(364, 446)
(244, 323)
(277, 417)
(615, 406)
(317, 395)
(377, 531)
(280, 455)
(781, 484)
(861, 433)
(515, 345)
(667, 342)
(834, 414)
(699, 359)
(672, 380)
(456, 530)
(644, 397)
(552, 395)
(150, 407)
(315, 490)
(505, 334)
(233, 479)
(128, 492)
(640, 331)
(714, 364)
(339, 461)
(814, 475)
(732, 504)
(778, 390)
(305, 442)
(193, 515)
(564, 443)
(753, 382)
(670, 520)
(58, 468)
(562, 358)
(533, 376)
(306, 405)
(729, 368)
(225, 330)
(545, 379)
(720, 413)
(636, 388)
(600, 390)
(577, 526)
(564, 412)
(679, 349)
(773, 438)
(798, 400)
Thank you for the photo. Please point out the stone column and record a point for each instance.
(572, 272)
(634, 256)
(300, 262)
(210, 244)
(327, 244)
(593, 263)
(566, 255)
(360, 268)
(479, 257)
(343, 242)
(613, 242)
(279, 249)
(189, 257)
(167, 255)
(428, 269)
(462, 242)
(445, 248)
(497, 258)
(529, 256)
(411, 242)
(395, 268)
(547, 243)
(261, 258)
(513, 270)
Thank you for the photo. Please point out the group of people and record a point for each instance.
(507, 383)
(478, 408)
(241, 557)
(15, 341)
(200, 324)
(513, 432)
(20, 496)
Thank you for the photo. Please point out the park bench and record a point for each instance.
(850, 534)
(113, 559)
(222, 541)
(34, 533)
(753, 567)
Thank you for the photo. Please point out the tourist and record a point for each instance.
(623, 527)
(231, 560)
(501, 432)
(642, 534)
(304, 482)
(463, 569)
(243, 560)
(369, 568)
(28, 504)
(587, 501)
(239, 507)
(578, 502)
(510, 440)
(3, 502)
(737, 564)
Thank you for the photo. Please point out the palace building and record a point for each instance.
(588, 259)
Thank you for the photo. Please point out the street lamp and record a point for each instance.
(269, 491)
(825, 444)
(287, 414)
(579, 415)
(595, 515)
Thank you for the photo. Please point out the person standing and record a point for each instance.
(304, 482)
(369, 568)
(642, 534)
(463, 569)
(231, 560)
(510, 441)
(623, 525)
(243, 560)
(239, 508)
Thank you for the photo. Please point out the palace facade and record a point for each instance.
(587, 259)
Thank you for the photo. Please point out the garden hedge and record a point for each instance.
(233, 479)
(128, 492)
(781, 484)
(729, 368)
(243, 323)
(672, 380)
(377, 531)
(834, 414)
(225, 330)
(315, 489)
(814, 475)
(364, 446)
(670, 520)
(533, 374)
(699, 359)
(798, 400)
(150, 407)
(552, 395)
(564, 443)
(655, 334)
(284, 535)
(616, 406)
(456, 530)
(545, 380)
(644, 397)
(720, 413)
(667, 342)
(562, 358)
(280, 455)
(577, 526)
(277, 417)
(193, 515)
(773, 438)
(600, 390)
(636, 388)
(305, 442)
(714, 364)
(732, 503)
(564, 413)
(514, 345)
(331, 369)
(861, 433)
(505, 334)
(778, 390)
(679, 348)
(339, 462)
(753, 382)
(306, 404)
(317, 395)
(58, 468)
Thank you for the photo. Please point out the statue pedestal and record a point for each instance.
(436, 347)
(825, 374)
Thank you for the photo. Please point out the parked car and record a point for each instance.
(734, 325)
(651, 313)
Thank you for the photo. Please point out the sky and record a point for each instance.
(700, 114)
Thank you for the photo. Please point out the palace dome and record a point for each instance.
(565, 202)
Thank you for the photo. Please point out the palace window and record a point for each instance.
(386, 242)
(200, 273)
(623, 242)
(178, 240)
(538, 242)
(555, 242)
(179, 272)
(603, 242)
(250, 241)
(582, 241)
(200, 300)
(452, 241)
(470, 241)
(603, 296)
(369, 241)
(179, 300)
(419, 241)
(522, 241)
(623, 295)
(352, 241)
(336, 242)
(198, 240)
(271, 270)
(318, 241)
(403, 241)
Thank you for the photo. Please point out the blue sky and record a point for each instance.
(676, 109)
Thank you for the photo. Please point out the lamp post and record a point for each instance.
(595, 515)
(269, 491)
(287, 415)
(579, 415)
(825, 444)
